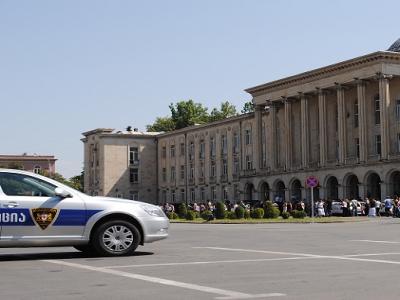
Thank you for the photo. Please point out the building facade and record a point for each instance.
(32, 163)
(340, 123)
(120, 164)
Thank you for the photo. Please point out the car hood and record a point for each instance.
(118, 200)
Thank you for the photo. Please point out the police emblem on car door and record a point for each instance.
(43, 217)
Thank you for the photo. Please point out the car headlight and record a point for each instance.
(152, 210)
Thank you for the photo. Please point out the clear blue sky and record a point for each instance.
(71, 66)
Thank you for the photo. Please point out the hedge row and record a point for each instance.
(269, 212)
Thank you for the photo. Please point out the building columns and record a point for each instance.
(384, 97)
(362, 124)
(322, 128)
(304, 131)
(273, 142)
(288, 134)
(258, 142)
(341, 124)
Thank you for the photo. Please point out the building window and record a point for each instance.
(224, 167)
(398, 142)
(120, 195)
(133, 155)
(225, 193)
(182, 172)
(183, 196)
(202, 149)
(236, 192)
(223, 145)
(164, 152)
(192, 195)
(172, 174)
(173, 196)
(249, 162)
(398, 110)
(378, 145)
(212, 170)
(236, 166)
(247, 136)
(191, 171)
(182, 149)
(164, 196)
(377, 110)
(37, 169)
(134, 195)
(191, 151)
(356, 114)
(213, 193)
(164, 174)
(134, 175)
(201, 170)
(357, 142)
(172, 151)
(212, 147)
(202, 194)
(236, 145)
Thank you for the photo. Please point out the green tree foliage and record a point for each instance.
(248, 107)
(161, 124)
(220, 212)
(227, 110)
(188, 113)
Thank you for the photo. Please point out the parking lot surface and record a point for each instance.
(204, 261)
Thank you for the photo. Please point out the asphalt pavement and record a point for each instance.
(210, 261)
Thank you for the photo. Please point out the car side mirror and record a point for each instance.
(60, 192)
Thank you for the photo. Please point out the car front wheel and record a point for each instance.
(116, 238)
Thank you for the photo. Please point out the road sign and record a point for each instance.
(312, 182)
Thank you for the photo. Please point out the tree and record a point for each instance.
(227, 110)
(161, 124)
(248, 107)
(188, 113)
(76, 182)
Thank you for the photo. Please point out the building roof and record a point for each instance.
(395, 47)
(27, 157)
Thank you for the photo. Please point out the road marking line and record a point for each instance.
(372, 254)
(259, 251)
(344, 257)
(226, 294)
(371, 241)
(208, 262)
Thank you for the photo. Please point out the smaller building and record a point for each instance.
(32, 163)
(121, 164)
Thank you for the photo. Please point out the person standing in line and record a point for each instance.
(388, 206)
(354, 205)
(377, 207)
(320, 208)
(344, 208)
(372, 208)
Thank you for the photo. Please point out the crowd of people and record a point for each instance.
(371, 207)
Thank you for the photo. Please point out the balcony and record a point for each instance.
(224, 178)
(248, 173)
(134, 163)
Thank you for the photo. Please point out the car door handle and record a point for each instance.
(11, 204)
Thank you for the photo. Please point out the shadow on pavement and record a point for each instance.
(60, 255)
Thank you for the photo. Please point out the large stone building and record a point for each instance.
(340, 123)
(120, 164)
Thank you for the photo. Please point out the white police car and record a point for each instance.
(38, 211)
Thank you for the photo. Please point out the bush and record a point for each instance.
(182, 210)
(247, 214)
(207, 215)
(231, 215)
(298, 214)
(257, 213)
(220, 212)
(171, 215)
(270, 211)
(239, 211)
(285, 215)
(190, 215)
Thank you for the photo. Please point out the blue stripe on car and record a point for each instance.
(66, 217)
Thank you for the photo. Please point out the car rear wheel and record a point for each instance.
(116, 238)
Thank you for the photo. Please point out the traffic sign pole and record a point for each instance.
(312, 204)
